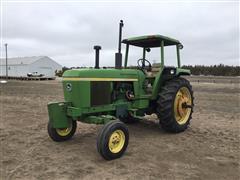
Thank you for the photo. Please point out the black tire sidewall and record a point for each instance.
(56, 137)
(104, 137)
(165, 108)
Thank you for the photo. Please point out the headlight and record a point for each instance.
(172, 71)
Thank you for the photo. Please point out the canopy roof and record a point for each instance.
(150, 41)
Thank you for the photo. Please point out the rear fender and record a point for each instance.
(180, 72)
(166, 74)
(172, 72)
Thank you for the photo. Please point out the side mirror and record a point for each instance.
(180, 46)
(148, 49)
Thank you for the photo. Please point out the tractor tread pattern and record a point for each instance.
(165, 104)
(103, 138)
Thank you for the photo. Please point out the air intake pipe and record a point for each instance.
(118, 55)
(97, 49)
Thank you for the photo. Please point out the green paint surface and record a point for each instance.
(101, 73)
(151, 41)
(57, 114)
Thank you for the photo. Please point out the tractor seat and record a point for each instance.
(152, 73)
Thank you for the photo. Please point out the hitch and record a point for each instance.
(185, 105)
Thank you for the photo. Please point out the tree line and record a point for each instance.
(214, 70)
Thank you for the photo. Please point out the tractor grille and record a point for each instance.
(100, 93)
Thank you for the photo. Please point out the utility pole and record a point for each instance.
(6, 61)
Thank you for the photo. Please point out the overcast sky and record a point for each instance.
(67, 32)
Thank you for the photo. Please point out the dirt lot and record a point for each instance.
(209, 149)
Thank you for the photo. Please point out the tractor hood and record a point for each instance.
(101, 75)
(86, 88)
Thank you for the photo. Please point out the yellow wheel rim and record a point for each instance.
(64, 131)
(183, 98)
(116, 141)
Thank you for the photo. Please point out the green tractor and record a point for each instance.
(115, 96)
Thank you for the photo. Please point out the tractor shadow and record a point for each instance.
(146, 126)
(143, 128)
(84, 141)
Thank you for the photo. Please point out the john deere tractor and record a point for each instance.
(120, 95)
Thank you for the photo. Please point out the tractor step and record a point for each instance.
(133, 111)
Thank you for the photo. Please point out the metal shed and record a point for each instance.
(21, 66)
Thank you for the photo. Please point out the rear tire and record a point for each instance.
(63, 134)
(113, 140)
(175, 105)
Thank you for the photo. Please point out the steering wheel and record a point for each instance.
(142, 65)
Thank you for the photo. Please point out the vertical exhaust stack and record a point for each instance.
(118, 55)
(97, 49)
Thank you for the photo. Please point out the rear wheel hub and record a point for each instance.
(182, 105)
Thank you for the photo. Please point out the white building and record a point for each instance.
(21, 66)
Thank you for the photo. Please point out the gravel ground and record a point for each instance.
(208, 149)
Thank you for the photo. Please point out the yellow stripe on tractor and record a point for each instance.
(98, 79)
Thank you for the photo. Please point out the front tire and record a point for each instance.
(63, 134)
(113, 140)
(175, 105)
